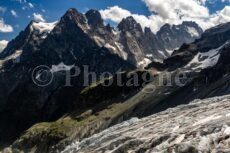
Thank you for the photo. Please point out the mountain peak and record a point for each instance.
(94, 18)
(71, 11)
(165, 27)
(74, 15)
(129, 24)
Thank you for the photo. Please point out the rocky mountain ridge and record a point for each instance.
(128, 41)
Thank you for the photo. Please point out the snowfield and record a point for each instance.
(206, 59)
(201, 126)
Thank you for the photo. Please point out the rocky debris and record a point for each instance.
(201, 126)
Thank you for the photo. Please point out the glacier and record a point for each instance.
(201, 126)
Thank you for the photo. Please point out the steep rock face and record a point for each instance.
(202, 126)
(140, 46)
(104, 36)
(94, 18)
(29, 39)
(173, 36)
(132, 39)
(144, 46)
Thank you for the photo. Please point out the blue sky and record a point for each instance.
(52, 10)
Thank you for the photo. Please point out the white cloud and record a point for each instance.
(31, 5)
(173, 9)
(225, 1)
(114, 13)
(25, 4)
(172, 12)
(3, 9)
(177, 11)
(4, 27)
(222, 16)
(38, 17)
(13, 13)
(3, 44)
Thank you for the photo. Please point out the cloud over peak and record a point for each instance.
(172, 12)
(114, 13)
(38, 17)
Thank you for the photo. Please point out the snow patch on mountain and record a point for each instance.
(162, 53)
(144, 62)
(15, 57)
(206, 59)
(107, 45)
(99, 40)
(61, 67)
(193, 32)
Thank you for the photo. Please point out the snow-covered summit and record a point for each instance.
(43, 27)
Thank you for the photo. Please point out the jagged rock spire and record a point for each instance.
(129, 24)
(94, 18)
